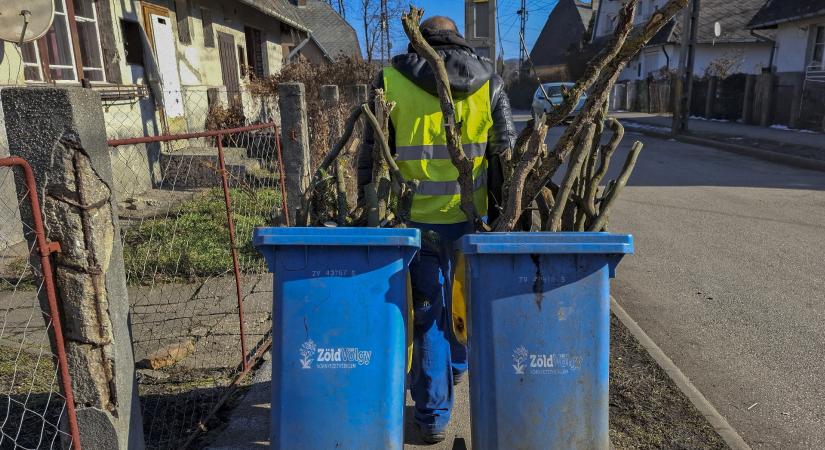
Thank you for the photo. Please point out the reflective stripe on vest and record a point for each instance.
(421, 147)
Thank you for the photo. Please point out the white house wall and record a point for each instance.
(751, 59)
(793, 44)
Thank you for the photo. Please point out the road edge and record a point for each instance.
(766, 155)
(717, 421)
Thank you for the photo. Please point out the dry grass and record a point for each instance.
(647, 410)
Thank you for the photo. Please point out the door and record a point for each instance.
(167, 60)
(229, 68)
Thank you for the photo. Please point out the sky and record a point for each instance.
(508, 21)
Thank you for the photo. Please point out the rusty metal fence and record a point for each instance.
(200, 295)
(37, 409)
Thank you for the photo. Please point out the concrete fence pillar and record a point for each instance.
(61, 133)
(643, 91)
(356, 93)
(632, 96)
(765, 98)
(797, 83)
(710, 98)
(747, 100)
(294, 142)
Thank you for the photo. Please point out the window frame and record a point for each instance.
(96, 21)
(38, 64)
(41, 48)
(817, 31)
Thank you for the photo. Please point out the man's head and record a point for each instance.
(438, 24)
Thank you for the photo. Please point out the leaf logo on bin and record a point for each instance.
(520, 355)
(307, 352)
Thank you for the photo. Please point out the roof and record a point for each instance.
(565, 26)
(333, 35)
(282, 10)
(781, 11)
(330, 31)
(732, 16)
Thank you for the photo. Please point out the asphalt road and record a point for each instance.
(729, 280)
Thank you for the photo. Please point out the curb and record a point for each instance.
(719, 423)
(767, 155)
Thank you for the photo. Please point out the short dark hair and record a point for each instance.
(439, 23)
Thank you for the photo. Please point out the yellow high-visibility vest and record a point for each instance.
(421, 147)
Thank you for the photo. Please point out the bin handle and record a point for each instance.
(460, 299)
(410, 322)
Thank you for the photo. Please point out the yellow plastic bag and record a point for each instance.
(460, 300)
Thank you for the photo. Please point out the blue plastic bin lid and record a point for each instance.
(545, 243)
(292, 236)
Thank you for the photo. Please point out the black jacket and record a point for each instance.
(467, 73)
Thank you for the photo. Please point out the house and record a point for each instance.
(331, 34)
(799, 27)
(566, 30)
(161, 65)
(177, 49)
(735, 50)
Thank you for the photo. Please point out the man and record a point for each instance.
(417, 138)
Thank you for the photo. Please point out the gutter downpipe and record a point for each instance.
(773, 47)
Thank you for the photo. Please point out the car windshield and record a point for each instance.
(553, 90)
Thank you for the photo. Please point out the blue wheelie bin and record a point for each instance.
(339, 335)
(538, 331)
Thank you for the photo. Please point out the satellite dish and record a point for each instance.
(717, 29)
(25, 20)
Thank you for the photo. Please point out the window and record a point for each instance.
(254, 51)
(85, 15)
(242, 61)
(208, 28)
(481, 19)
(182, 14)
(32, 69)
(818, 55)
(132, 42)
(58, 46)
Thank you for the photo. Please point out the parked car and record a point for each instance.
(555, 92)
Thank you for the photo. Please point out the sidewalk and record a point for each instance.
(800, 148)
(248, 427)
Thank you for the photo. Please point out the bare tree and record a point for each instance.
(377, 19)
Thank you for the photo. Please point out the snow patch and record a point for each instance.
(787, 128)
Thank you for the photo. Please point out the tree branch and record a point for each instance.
(610, 197)
(302, 215)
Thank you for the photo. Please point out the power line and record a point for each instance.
(522, 12)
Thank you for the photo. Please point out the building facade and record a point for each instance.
(735, 50)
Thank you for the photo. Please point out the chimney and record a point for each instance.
(299, 3)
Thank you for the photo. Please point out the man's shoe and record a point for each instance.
(431, 436)
(458, 377)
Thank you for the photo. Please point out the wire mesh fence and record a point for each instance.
(36, 402)
(200, 295)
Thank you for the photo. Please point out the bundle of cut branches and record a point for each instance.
(578, 203)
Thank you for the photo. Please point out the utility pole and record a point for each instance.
(387, 28)
(684, 87)
(522, 55)
(382, 23)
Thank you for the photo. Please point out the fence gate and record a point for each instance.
(37, 408)
(200, 295)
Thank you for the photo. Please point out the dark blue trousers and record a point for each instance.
(437, 355)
